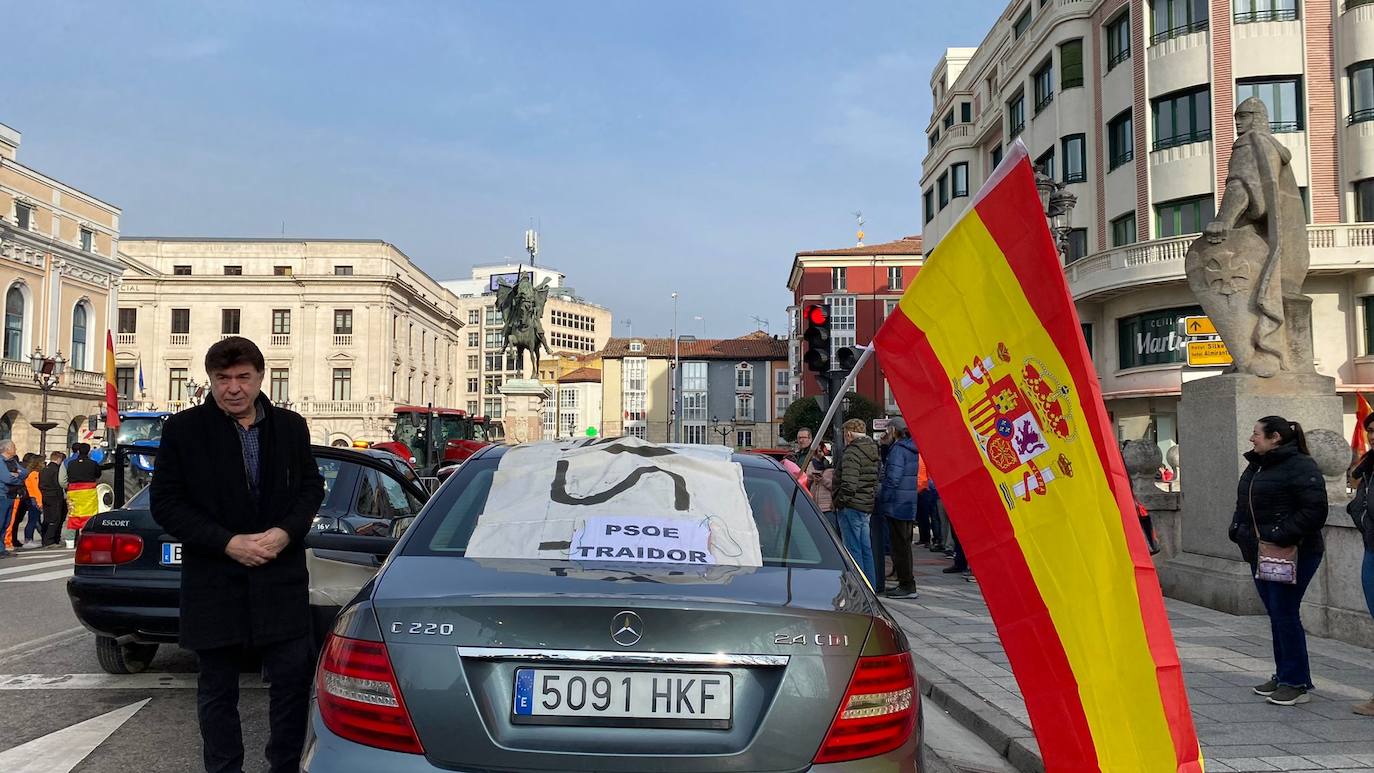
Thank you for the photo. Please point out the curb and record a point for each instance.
(995, 727)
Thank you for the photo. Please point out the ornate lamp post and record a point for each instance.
(47, 371)
(724, 429)
(195, 391)
(1058, 204)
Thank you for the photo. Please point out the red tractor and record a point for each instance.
(431, 438)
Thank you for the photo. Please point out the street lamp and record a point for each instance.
(195, 391)
(724, 430)
(47, 371)
(1058, 204)
(677, 433)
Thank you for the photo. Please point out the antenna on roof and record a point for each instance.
(859, 216)
(532, 244)
(760, 321)
(629, 328)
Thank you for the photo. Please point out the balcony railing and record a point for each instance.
(1118, 58)
(85, 379)
(280, 339)
(1361, 116)
(1178, 32)
(1186, 138)
(339, 407)
(126, 339)
(1271, 14)
(343, 339)
(1124, 157)
(1356, 4)
(1044, 102)
(1016, 129)
(179, 339)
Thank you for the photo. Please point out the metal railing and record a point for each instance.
(179, 339)
(126, 339)
(1356, 4)
(1044, 102)
(1120, 159)
(1186, 138)
(1075, 177)
(1178, 32)
(1285, 127)
(1118, 58)
(1016, 129)
(1360, 116)
(1269, 14)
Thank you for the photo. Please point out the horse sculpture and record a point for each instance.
(522, 308)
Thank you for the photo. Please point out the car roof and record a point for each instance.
(755, 461)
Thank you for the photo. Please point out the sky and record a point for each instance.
(690, 147)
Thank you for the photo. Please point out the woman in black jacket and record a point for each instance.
(1281, 500)
(1359, 512)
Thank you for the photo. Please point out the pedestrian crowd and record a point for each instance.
(45, 502)
(880, 500)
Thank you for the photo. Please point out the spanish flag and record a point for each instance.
(1357, 443)
(111, 391)
(987, 360)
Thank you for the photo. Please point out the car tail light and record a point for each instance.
(359, 698)
(878, 712)
(107, 549)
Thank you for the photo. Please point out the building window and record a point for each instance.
(473, 362)
(1183, 117)
(694, 377)
(1367, 303)
(1071, 64)
(1118, 40)
(281, 271)
(1044, 86)
(473, 384)
(842, 323)
(181, 270)
(124, 383)
(87, 240)
(1364, 204)
(1183, 216)
(1075, 158)
(1021, 24)
(281, 385)
(934, 138)
(1251, 11)
(1120, 140)
(472, 407)
(996, 156)
(181, 321)
(744, 407)
(744, 438)
(1283, 98)
(1173, 18)
(491, 406)
(474, 339)
(942, 185)
(633, 396)
(928, 204)
(1361, 77)
(233, 270)
(959, 179)
(949, 118)
(894, 277)
(229, 321)
(176, 385)
(744, 376)
(1016, 115)
(839, 279)
(474, 316)
(128, 321)
(1045, 162)
(1076, 245)
(1123, 230)
(79, 337)
(343, 322)
(23, 216)
(343, 384)
(965, 112)
(281, 322)
(694, 434)
(343, 271)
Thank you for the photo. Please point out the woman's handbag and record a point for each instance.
(1277, 563)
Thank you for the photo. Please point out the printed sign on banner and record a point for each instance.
(643, 540)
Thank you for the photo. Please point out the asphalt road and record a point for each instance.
(60, 713)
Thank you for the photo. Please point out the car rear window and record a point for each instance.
(790, 528)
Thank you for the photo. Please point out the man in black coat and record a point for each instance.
(54, 499)
(236, 482)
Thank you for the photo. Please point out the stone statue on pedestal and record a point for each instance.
(1247, 268)
(522, 309)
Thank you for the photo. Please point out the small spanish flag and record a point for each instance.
(988, 363)
(1357, 441)
(111, 392)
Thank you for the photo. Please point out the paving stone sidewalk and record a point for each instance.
(965, 672)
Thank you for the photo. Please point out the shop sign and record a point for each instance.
(1154, 337)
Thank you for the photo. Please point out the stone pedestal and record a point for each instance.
(1216, 418)
(523, 414)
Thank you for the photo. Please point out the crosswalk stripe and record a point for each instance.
(41, 554)
(34, 567)
(144, 681)
(62, 751)
(57, 575)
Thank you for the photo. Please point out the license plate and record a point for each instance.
(171, 554)
(624, 698)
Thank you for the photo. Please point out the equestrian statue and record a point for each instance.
(522, 307)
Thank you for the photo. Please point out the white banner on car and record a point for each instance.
(622, 500)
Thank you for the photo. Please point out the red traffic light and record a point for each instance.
(817, 314)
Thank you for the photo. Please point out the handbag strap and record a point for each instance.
(1250, 500)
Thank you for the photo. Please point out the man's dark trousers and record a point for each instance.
(287, 666)
(54, 515)
(901, 532)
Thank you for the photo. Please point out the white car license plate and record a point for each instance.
(171, 554)
(630, 698)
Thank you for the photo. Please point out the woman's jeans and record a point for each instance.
(854, 530)
(1283, 603)
(1367, 579)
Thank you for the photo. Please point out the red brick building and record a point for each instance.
(862, 285)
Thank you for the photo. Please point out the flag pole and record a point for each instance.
(835, 405)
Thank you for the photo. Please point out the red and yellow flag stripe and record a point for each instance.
(986, 357)
(111, 391)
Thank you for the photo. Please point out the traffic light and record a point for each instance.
(817, 337)
(846, 357)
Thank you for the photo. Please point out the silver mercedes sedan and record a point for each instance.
(610, 606)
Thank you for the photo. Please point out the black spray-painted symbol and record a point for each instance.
(681, 499)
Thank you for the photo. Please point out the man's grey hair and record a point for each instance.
(6, 445)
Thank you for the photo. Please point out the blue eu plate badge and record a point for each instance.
(524, 691)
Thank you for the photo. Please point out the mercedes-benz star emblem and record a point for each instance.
(626, 628)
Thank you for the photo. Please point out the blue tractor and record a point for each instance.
(136, 428)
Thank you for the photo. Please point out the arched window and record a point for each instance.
(79, 338)
(7, 425)
(14, 324)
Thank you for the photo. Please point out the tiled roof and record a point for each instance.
(907, 245)
(754, 346)
(581, 376)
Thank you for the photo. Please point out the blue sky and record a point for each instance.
(684, 146)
